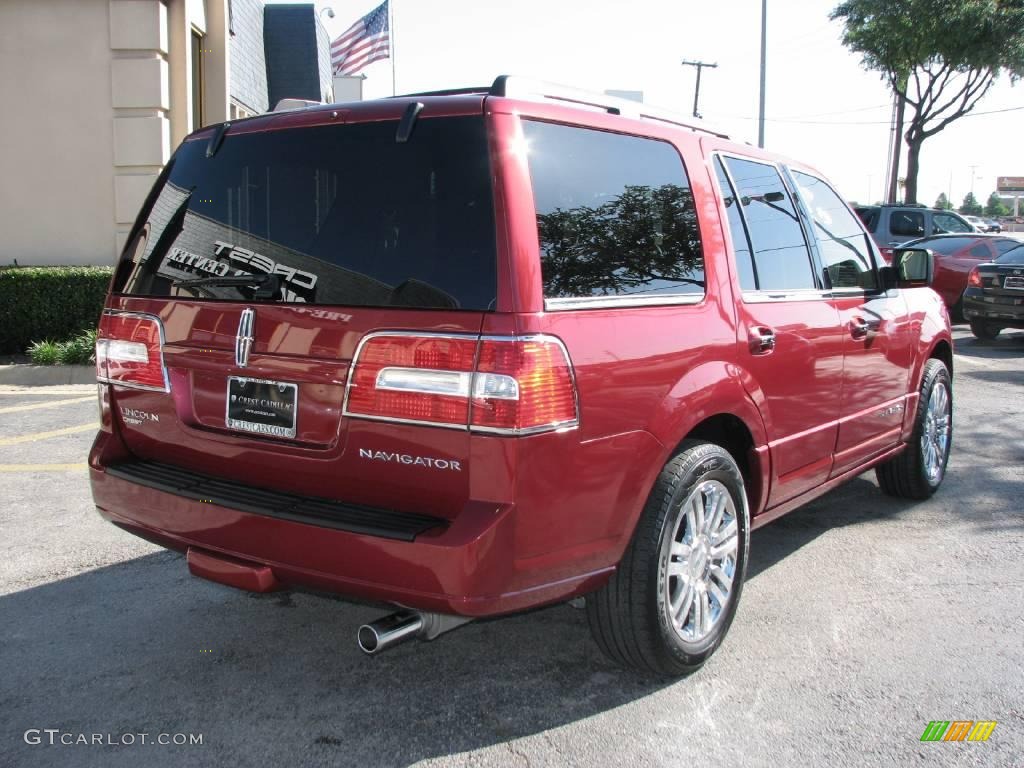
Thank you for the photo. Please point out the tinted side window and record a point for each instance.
(842, 242)
(943, 222)
(906, 223)
(780, 253)
(615, 214)
(1002, 246)
(981, 251)
(737, 231)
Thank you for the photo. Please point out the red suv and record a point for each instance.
(472, 352)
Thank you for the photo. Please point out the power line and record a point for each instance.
(856, 122)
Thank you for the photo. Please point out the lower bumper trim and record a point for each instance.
(404, 526)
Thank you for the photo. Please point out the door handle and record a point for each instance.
(762, 340)
(860, 328)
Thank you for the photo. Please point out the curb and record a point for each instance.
(46, 375)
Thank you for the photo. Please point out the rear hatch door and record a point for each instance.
(268, 252)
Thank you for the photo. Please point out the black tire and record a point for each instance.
(629, 616)
(984, 331)
(905, 475)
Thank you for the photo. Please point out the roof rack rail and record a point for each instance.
(525, 88)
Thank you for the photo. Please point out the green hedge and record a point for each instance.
(49, 303)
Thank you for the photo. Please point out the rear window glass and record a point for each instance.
(615, 215)
(340, 214)
(945, 245)
(1015, 256)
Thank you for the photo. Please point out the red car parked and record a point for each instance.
(955, 256)
(474, 352)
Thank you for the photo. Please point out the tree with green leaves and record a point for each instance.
(942, 202)
(994, 207)
(939, 57)
(971, 206)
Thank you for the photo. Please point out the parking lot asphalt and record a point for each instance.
(863, 619)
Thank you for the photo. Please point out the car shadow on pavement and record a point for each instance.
(141, 646)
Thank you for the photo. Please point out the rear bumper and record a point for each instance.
(468, 568)
(1001, 311)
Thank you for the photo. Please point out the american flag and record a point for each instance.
(364, 42)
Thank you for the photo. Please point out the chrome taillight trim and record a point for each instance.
(163, 341)
(562, 426)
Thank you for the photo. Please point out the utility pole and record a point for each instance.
(764, 60)
(974, 169)
(696, 91)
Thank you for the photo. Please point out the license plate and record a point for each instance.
(1014, 283)
(262, 406)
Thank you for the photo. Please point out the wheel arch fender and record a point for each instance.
(709, 398)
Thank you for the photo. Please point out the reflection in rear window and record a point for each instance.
(341, 214)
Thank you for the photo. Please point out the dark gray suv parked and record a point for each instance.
(893, 225)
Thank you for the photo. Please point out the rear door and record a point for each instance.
(343, 230)
(789, 331)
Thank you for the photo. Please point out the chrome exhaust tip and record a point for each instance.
(390, 630)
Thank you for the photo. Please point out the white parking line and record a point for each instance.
(973, 361)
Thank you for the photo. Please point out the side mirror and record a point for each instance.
(913, 267)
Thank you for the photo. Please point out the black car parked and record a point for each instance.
(994, 298)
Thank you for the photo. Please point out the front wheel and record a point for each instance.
(918, 471)
(669, 604)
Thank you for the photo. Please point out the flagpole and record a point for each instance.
(391, 42)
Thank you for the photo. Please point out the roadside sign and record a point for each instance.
(1010, 184)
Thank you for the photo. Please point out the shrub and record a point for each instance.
(80, 350)
(49, 303)
(44, 352)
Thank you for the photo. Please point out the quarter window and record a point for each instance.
(615, 214)
(842, 242)
(781, 259)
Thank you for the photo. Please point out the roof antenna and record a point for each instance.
(405, 125)
(217, 139)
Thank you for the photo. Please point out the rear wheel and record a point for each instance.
(918, 471)
(984, 331)
(669, 604)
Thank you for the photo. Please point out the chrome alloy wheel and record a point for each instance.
(701, 561)
(935, 433)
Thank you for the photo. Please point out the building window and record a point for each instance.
(198, 82)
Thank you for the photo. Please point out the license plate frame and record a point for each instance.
(269, 408)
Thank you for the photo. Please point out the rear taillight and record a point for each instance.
(887, 254)
(129, 351)
(505, 385)
(974, 278)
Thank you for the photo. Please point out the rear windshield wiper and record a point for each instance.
(268, 286)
